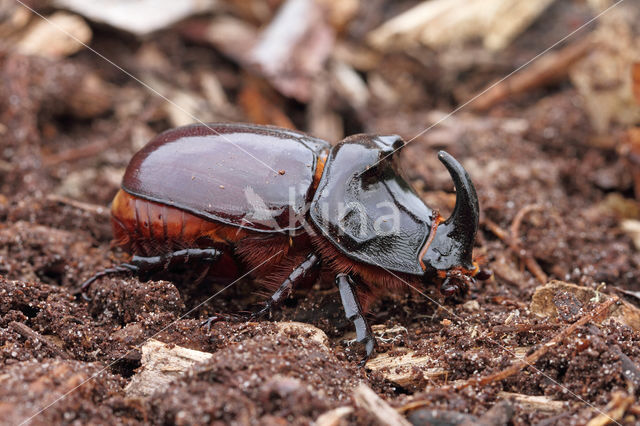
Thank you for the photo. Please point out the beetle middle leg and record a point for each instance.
(153, 264)
(353, 312)
(310, 264)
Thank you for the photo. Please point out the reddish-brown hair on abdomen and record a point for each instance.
(374, 280)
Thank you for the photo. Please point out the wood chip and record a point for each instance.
(49, 38)
(401, 369)
(161, 364)
(535, 402)
(438, 23)
(377, 407)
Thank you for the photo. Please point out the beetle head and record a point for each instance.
(450, 251)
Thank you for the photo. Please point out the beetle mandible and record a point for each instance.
(200, 192)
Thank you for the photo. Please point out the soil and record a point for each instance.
(67, 361)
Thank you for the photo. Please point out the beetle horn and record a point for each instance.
(453, 243)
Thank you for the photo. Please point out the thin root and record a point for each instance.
(530, 360)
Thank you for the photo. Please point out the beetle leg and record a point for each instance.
(298, 274)
(123, 268)
(219, 317)
(353, 312)
(158, 263)
(151, 264)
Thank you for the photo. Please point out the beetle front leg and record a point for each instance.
(353, 312)
(301, 271)
(153, 264)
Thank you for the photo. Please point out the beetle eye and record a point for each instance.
(390, 144)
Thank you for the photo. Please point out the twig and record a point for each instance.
(90, 208)
(550, 68)
(535, 356)
(79, 153)
(378, 408)
(515, 246)
(26, 332)
(519, 328)
(519, 217)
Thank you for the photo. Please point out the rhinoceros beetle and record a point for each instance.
(203, 192)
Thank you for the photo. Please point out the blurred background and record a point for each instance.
(331, 68)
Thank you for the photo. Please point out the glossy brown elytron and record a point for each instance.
(287, 207)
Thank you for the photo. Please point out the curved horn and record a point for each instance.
(453, 242)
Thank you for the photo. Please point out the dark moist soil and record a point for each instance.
(72, 358)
